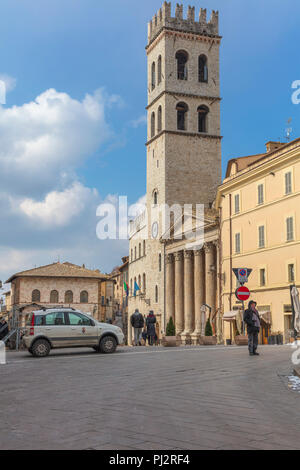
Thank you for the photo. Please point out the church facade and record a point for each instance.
(183, 168)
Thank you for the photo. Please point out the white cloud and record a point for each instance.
(141, 121)
(46, 139)
(10, 82)
(59, 208)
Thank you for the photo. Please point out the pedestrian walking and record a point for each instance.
(151, 322)
(137, 322)
(252, 320)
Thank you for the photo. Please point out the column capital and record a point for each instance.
(198, 252)
(178, 256)
(169, 258)
(208, 247)
(188, 254)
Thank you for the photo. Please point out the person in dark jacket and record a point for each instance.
(151, 323)
(252, 320)
(3, 328)
(137, 322)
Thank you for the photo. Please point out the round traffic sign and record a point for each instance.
(243, 272)
(242, 293)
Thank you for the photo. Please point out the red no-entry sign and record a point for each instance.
(242, 293)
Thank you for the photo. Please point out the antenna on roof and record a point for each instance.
(289, 130)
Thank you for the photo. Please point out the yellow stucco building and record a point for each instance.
(259, 203)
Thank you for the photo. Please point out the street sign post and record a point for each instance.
(242, 274)
(243, 294)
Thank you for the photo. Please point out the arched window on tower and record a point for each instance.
(203, 70)
(156, 294)
(155, 198)
(159, 119)
(140, 250)
(144, 283)
(182, 110)
(152, 124)
(159, 262)
(159, 70)
(182, 71)
(153, 76)
(144, 248)
(203, 118)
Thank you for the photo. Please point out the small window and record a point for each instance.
(262, 277)
(159, 70)
(155, 198)
(203, 70)
(291, 272)
(84, 297)
(290, 229)
(54, 319)
(159, 262)
(202, 118)
(135, 252)
(237, 203)
(131, 254)
(77, 319)
(288, 183)
(156, 294)
(53, 297)
(237, 243)
(69, 297)
(182, 58)
(36, 295)
(144, 247)
(144, 282)
(140, 250)
(159, 119)
(261, 236)
(152, 125)
(182, 110)
(153, 76)
(260, 194)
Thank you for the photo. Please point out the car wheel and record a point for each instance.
(41, 348)
(108, 345)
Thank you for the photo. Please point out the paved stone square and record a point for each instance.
(143, 398)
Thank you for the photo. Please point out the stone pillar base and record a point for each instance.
(186, 338)
(195, 338)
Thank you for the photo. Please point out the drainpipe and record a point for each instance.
(230, 231)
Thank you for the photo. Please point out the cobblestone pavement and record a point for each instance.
(143, 398)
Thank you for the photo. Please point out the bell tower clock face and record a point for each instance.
(154, 230)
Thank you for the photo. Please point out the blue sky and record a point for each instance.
(77, 47)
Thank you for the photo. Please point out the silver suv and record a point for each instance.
(69, 328)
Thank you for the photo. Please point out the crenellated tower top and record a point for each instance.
(163, 19)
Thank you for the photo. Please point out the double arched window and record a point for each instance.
(182, 110)
(203, 118)
(53, 297)
(84, 297)
(159, 119)
(182, 59)
(159, 70)
(153, 76)
(202, 69)
(152, 124)
(36, 295)
(68, 297)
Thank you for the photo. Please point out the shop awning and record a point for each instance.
(230, 316)
(265, 316)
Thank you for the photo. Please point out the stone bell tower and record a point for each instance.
(184, 142)
(183, 138)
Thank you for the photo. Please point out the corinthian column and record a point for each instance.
(199, 292)
(210, 275)
(179, 308)
(188, 296)
(170, 301)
